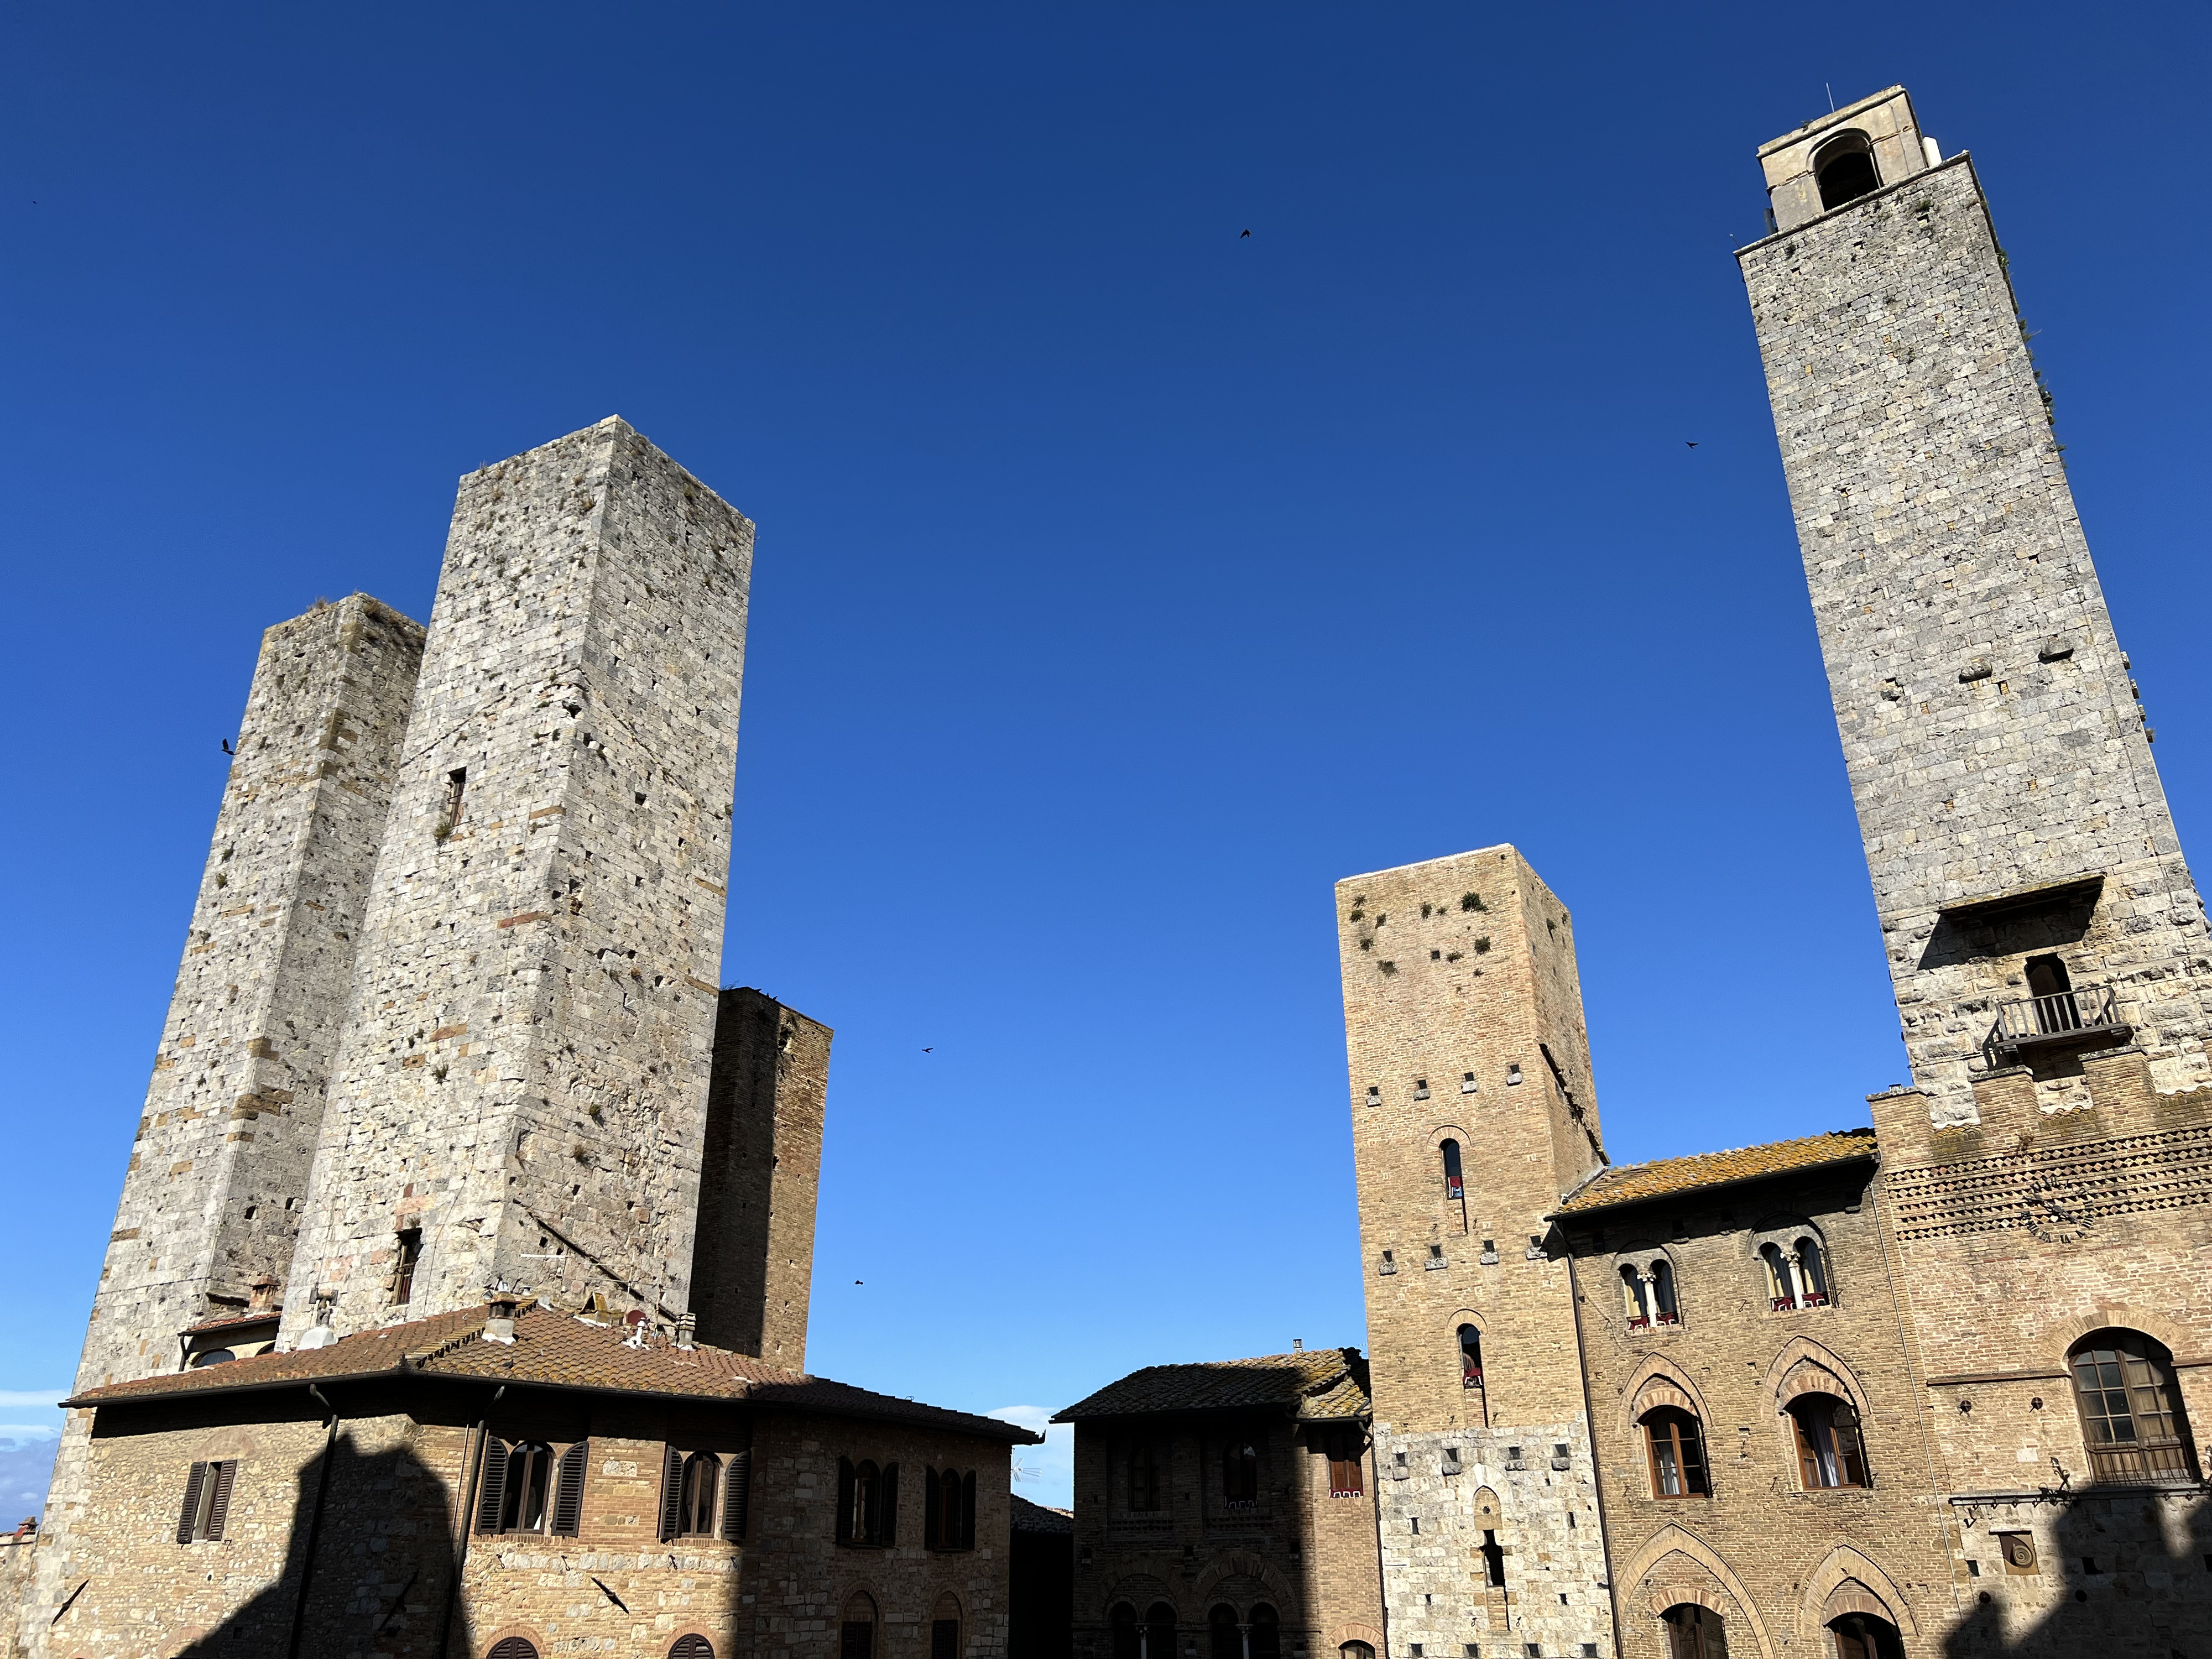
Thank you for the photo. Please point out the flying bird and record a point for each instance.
(1240, 236)
(227, 748)
(929, 1051)
(1693, 443)
(856, 1281)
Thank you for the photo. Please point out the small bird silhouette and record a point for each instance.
(1240, 236)
(1693, 443)
(929, 1051)
(856, 1281)
(227, 748)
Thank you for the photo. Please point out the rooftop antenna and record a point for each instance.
(1831, 97)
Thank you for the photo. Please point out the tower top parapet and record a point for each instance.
(1845, 155)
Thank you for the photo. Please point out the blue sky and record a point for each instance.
(1122, 582)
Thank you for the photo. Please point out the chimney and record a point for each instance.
(1297, 1345)
(498, 1327)
(686, 1329)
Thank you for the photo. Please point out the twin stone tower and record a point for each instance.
(449, 1013)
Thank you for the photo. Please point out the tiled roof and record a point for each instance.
(1037, 1517)
(236, 1321)
(1631, 1183)
(1326, 1382)
(553, 1350)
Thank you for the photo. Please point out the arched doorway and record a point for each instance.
(1862, 1636)
(1695, 1632)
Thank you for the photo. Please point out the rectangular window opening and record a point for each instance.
(457, 785)
(402, 1277)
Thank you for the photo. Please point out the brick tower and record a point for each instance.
(1472, 1112)
(2032, 894)
(519, 1090)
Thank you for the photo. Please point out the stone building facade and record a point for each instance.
(1933, 1389)
(518, 1474)
(1222, 1509)
(448, 1027)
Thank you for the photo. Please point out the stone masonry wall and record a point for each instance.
(211, 1197)
(1464, 1021)
(1991, 728)
(753, 1263)
(523, 1075)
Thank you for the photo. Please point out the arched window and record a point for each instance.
(1222, 1639)
(1470, 1356)
(1844, 168)
(1354, 1651)
(856, 1630)
(1240, 1471)
(2132, 1412)
(1144, 1477)
(1812, 1274)
(1662, 1293)
(703, 1479)
(1695, 1632)
(949, 1509)
(1454, 1187)
(1829, 1453)
(945, 1628)
(1781, 1289)
(1263, 1634)
(1862, 1636)
(691, 1647)
(1159, 1631)
(1677, 1453)
(522, 1500)
(1121, 1621)
(512, 1647)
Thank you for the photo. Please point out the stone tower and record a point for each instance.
(520, 1088)
(1472, 1112)
(2032, 895)
(752, 1269)
(211, 1196)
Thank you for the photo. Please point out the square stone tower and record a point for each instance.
(2032, 894)
(519, 1090)
(211, 1199)
(1472, 1112)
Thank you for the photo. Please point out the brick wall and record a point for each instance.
(753, 1263)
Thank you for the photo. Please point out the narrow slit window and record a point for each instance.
(1454, 1183)
(457, 786)
(1470, 1356)
(409, 1252)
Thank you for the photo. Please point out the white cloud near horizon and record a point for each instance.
(33, 1396)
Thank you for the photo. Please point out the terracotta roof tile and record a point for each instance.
(1037, 1517)
(1631, 1183)
(553, 1350)
(1325, 1382)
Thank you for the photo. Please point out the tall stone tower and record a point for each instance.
(519, 1090)
(2032, 898)
(1473, 1112)
(211, 1199)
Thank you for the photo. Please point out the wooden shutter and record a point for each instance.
(672, 1492)
(1808, 1458)
(736, 1495)
(968, 1510)
(491, 1496)
(845, 1502)
(1851, 1454)
(944, 1638)
(932, 1495)
(568, 1489)
(192, 1503)
(219, 1505)
(887, 1507)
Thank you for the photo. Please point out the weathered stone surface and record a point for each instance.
(523, 1074)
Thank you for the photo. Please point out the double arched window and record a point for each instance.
(1647, 1294)
(1676, 1448)
(2132, 1418)
(1240, 1471)
(1258, 1635)
(867, 1503)
(949, 1509)
(1797, 1273)
(531, 1485)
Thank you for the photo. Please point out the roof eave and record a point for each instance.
(1870, 1155)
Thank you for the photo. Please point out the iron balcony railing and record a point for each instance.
(2146, 1463)
(2090, 1013)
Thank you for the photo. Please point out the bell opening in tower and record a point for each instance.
(1845, 170)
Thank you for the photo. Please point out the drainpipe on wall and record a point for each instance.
(314, 1523)
(475, 1437)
